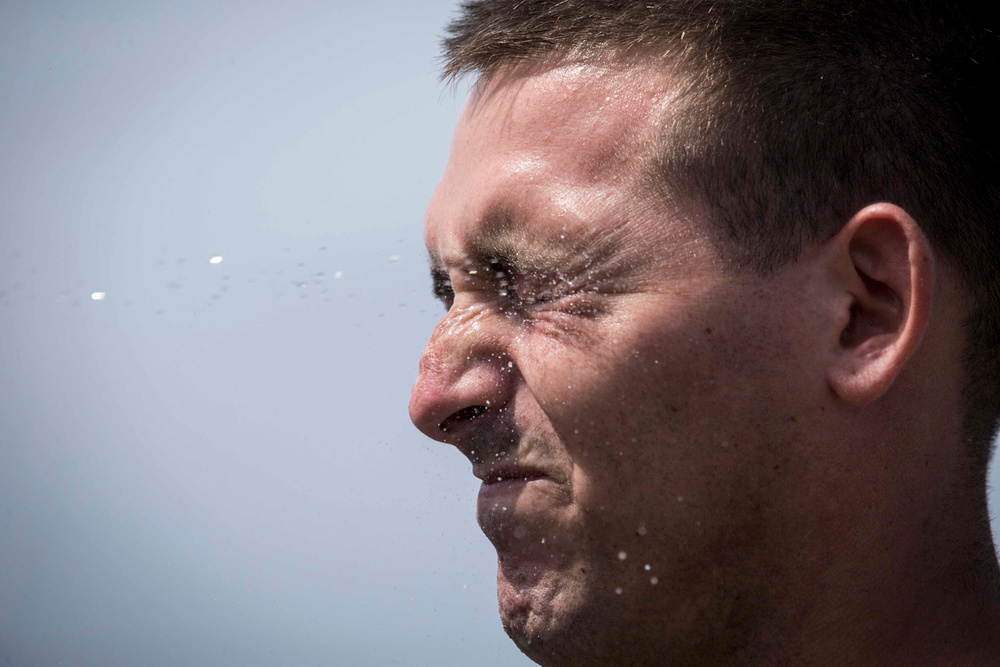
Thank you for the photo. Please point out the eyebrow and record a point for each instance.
(499, 238)
(491, 240)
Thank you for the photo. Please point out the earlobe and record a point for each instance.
(885, 270)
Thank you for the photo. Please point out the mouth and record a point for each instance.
(518, 509)
(499, 474)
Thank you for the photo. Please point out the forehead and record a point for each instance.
(558, 142)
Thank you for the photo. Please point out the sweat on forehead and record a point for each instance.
(561, 137)
(553, 101)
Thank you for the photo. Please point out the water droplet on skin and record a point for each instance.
(217, 259)
(622, 555)
(98, 296)
(510, 364)
(680, 499)
(520, 532)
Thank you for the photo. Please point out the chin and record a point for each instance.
(543, 611)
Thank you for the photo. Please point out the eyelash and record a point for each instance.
(506, 287)
(442, 287)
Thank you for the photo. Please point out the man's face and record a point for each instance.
(602, 371)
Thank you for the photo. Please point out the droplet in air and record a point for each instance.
(393, 258)
(520, 532)
(642, 530)
(618, 590)
(648, 567)
(98, 296)
(622, 555)
(217, 259)
(337, 275)
(654, 580)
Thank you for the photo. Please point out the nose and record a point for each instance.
(465, 373)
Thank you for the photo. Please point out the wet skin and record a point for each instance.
(604, 371)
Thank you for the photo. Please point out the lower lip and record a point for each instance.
(516, 514)
(505, 492)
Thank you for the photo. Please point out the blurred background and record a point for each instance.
(211, 463)
(213, 295)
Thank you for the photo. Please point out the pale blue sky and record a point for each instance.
(213, 465)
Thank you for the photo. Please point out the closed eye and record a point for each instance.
(441, 285)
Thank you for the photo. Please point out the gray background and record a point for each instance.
(213, 465)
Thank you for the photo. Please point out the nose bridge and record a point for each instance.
(463, 367)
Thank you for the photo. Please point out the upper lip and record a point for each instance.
(499, 471)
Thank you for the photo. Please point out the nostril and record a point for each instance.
(463, 415)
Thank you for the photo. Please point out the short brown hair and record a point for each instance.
(801, 113)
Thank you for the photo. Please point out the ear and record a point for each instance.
(884, 269)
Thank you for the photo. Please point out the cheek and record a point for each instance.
(615, 378)
(649, 412)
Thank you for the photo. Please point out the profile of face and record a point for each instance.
(627, 400)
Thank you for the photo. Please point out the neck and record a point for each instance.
(903, 579)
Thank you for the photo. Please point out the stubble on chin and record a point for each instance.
(540, 607)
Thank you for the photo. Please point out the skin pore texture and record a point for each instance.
(684, 463)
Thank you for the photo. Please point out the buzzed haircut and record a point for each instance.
(796, 115)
